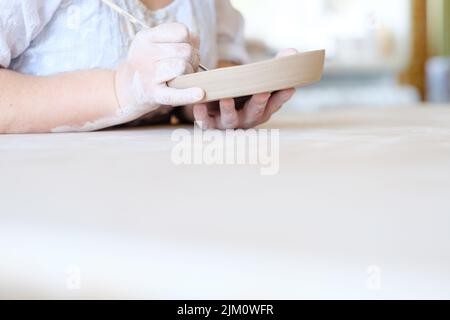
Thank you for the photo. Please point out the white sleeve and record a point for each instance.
(20, 22)
(231, 38)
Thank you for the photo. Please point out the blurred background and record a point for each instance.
(379, 52)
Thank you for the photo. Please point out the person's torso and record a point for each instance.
(86, 34)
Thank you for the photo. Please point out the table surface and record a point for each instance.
(359, 209)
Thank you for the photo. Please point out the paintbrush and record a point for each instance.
(133, 20)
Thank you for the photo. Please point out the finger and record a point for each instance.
(169, 69)
(214, 109)
(254, 109)
(172, 50)
(202, 117)
(178, 97)
(277, 101)
(286, 53)
(195, 59)
(166, 33)
(161, 51)
(195, 40)
(229, 117)
(179, 50)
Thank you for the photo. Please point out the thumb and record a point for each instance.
(179, 97)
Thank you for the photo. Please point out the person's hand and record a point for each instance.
(258, 109)
(157, 56)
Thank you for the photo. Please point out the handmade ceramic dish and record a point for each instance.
(268, 76)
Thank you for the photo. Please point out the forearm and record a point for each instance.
(42, 104)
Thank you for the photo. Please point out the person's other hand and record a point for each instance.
(258, 109)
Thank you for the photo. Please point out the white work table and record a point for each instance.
(359, 209)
